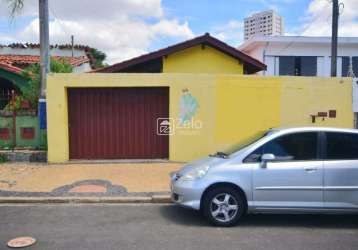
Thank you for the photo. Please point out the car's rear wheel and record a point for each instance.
(224, 206)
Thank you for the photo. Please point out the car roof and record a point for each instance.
(308, 129)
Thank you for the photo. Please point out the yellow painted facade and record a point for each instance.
(249, 105)
(313, 95)
(231, 107)
(200, 59)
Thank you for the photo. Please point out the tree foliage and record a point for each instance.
(31, 92)
(98, 57)
(32, 74)
(15, 6)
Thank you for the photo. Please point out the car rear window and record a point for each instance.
(341, 146)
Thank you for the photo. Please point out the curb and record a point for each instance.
(157, 199)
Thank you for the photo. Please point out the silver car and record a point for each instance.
(295, 170)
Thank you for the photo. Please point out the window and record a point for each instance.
(345, 65)
(342, 146)
(298, 65)
(308, 66)
(355, 65)
(287, 65)
(292, 147)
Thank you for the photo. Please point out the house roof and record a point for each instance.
(77, 47)
(15, 63)
(251, 65)
(37, 46)
(10, 68)
(30, 59)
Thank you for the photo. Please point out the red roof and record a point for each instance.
(53, 46)
(10, 68)
(15, 63)
(251, 65)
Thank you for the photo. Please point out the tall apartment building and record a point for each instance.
(266, 23)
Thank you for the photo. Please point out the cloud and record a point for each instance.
(318, 19)
(121, 28)
(271, 4)
(166, 28)
(230, 32)
(90, 9)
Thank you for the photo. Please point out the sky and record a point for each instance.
(127, 28)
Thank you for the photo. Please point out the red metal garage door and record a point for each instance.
(117, 123)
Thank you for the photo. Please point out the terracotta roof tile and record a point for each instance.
(36, 45)
(14, 63)
(9, 67)
(85, 48)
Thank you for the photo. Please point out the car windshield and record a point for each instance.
(236, 147)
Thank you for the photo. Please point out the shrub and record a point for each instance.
(32, 73)
(2, 159)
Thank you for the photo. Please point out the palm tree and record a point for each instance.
(15, 6)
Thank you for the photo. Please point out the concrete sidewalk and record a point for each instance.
(86, 180)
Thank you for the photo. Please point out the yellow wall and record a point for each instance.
(304, 96)
(231, 107)
(199, 60)
(245, 105)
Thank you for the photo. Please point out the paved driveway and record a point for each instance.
(170, 227)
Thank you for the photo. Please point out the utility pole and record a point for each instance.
(44, 45)
(335, 15)
(72, 45)
(44, 59)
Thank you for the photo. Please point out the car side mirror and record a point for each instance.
(267, 158)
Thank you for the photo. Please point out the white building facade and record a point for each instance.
(303, 56)
(266, 23)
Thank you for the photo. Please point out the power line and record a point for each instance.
(294, 38)
(62, 25)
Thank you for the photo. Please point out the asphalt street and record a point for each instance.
(169, 227)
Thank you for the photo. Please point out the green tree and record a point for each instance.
(98, 57)
(32, 73)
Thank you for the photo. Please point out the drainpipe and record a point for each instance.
(264, 55)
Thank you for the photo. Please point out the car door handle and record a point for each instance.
(310, 169)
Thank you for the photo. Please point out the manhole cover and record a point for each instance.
(21, 242)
